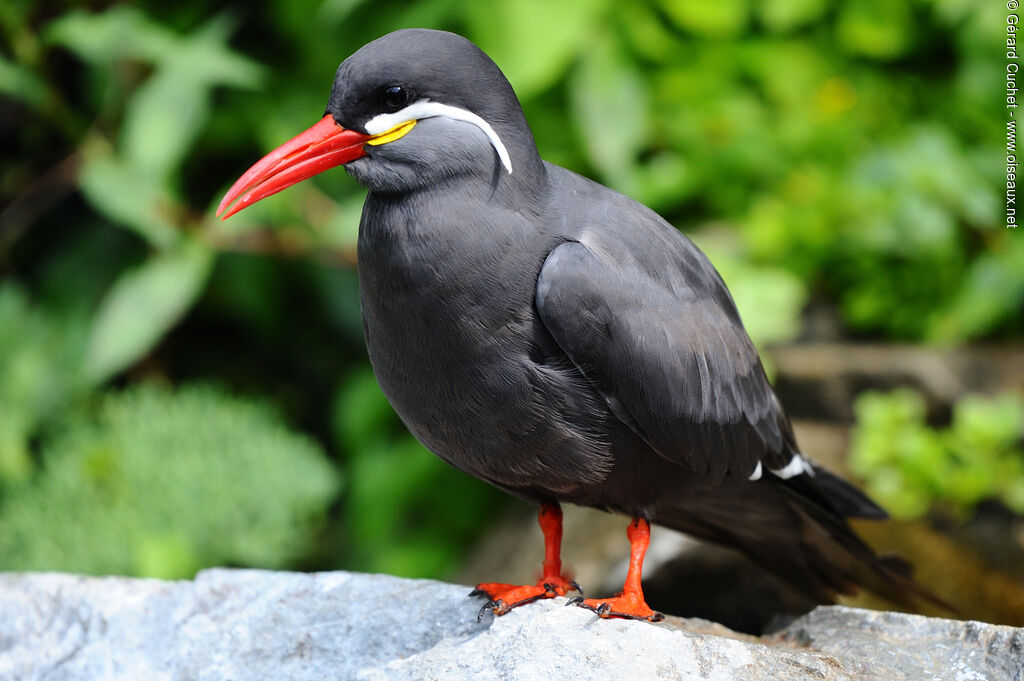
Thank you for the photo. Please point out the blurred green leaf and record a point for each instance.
(335, 11)
(609, 105)
(649, 36)
(889, 234)
(142, 305)
(21, 83)
(770, 299)
(875, 29)
(40, 357)
(984, 425)
(121, 31)
(362, 416)
(134, 199)
(165, 555)
(15, 434)
(711, 18)
(992, 291)
(533, 41)
(164, 115)
(785, 15)
(162, 119)
(910, 467)
(206, 55)
(342, 232)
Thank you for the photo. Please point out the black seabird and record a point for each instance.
(558, 339)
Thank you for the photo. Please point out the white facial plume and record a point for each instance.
(425, 108)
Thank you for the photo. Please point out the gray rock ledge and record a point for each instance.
(250, 624)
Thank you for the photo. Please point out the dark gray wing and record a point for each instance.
(655, 330)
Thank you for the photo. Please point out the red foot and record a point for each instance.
(504, 597)
(627, 605)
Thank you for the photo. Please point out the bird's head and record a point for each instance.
(411, 109)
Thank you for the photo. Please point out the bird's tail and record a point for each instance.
(797, 529)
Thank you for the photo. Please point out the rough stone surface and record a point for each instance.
(246, 624)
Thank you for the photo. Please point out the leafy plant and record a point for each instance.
(910, 467)
(39, 375)
(153, 91)
(160, 483)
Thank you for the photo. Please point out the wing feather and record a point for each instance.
(660, 338)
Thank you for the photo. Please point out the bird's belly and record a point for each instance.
(441, 382)
(457, 388)
(458, 371)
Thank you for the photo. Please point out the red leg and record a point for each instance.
(629, 602)
(552, 583)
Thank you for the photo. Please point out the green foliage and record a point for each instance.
(909, 467)
(161, 483)
(132, 181)
(20, 83)
(534, 41)
(769, 298)
(39, 375)
(613, 132)
(882, 30)
(711, 18)
(141, 306)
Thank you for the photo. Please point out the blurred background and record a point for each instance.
(177, 392)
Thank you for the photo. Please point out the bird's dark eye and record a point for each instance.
(395, 97)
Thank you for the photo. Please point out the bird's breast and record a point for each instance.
(447, 320)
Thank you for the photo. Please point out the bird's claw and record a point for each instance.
(552, 590)
(496, 606)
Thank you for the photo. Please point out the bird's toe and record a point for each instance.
(626, 606)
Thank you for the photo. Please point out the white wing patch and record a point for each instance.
(796, 466)
(756, 475)
(425, 108)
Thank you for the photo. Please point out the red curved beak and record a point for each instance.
(323, 146)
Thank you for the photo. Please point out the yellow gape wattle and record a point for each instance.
(392, 134)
